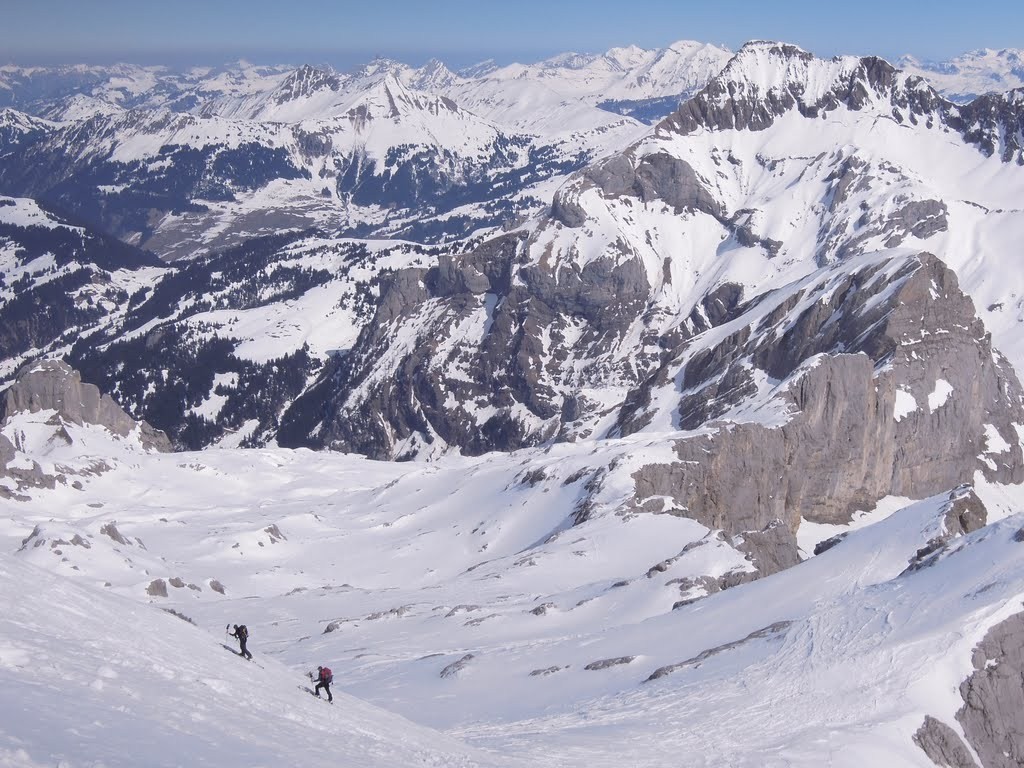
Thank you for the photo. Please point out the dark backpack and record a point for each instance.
(326, 675)
(243, 633)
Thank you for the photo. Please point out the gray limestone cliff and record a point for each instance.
(54, 385)
(909, 407)
(656, 176)
(992, 716)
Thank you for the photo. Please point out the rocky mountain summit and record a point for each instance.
(767, 80)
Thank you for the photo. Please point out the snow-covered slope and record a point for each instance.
(88, 678)
(463, 596)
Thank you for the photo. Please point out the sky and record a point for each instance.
(461, 32)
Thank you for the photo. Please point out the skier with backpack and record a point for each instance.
(323, 680)
(241, 634)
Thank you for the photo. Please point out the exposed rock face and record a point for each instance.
(845, 438)
(7, 450)
(653, 177)
(455, 667)
(771, 632)
(53, 385)
(606, 663)
(942, 744)
(964, 513)
(992, 716)
(772, 549)
(483, 325)
(993, 713)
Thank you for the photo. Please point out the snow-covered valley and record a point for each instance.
(459, 596)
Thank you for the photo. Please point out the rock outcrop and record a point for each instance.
(55, 386)
(943, 745)
(992, 717)
(993, 713)
(907, 409)
(657, 176)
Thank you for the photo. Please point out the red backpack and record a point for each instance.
(326, 675)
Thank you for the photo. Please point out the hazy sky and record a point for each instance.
(464, 31)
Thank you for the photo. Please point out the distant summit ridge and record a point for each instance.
(304, 82)
(765, 80)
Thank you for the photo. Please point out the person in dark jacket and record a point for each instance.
(241, 634)
(324, 678)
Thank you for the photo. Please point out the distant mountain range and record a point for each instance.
(266, 189)
(970, 75)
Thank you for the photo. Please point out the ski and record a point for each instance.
(312, 693)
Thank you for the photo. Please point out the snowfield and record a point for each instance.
(467, 621)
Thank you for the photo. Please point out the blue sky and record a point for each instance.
(460, 32)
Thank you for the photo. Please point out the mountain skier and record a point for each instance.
(324, 678)
(241, 633)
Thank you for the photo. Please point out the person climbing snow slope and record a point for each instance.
(241, 634)
(323, 680)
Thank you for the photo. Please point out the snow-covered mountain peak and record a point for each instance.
(81, 107)
(689, 47)
(379, 67)
(766, 80)
(432, 76)
(628, 56)
(304, 83)
(569, 60)
(480, 69)
(19, 121)
(769, 66)
(393, 99)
